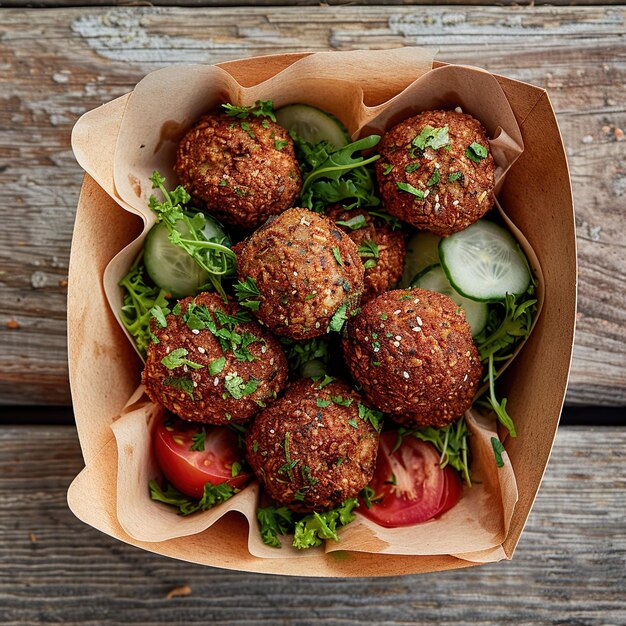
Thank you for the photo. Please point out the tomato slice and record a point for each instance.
(409, 485)
(188, 470)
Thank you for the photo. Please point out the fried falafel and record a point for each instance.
(412, 352)
(307, 272)
(211, 362)
(314, 447)
(382, 249)
(436, 171)
(242, 171)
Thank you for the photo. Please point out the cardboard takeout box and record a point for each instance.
(104, 368)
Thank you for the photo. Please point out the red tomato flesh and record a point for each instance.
(411, 485)
(188, 470)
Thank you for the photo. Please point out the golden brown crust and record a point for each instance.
(241, 171)
(213, 401)
(305, 269)
(311, 457)
(391, 249)
(447, 206)
(413, 354)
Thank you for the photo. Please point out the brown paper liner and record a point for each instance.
(121, 143)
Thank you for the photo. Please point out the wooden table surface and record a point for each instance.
(57, 63)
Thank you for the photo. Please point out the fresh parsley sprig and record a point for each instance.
(213, 495)
(139, 300)
(248, 293)
(261, 108)
(185, 231)
(308, 530)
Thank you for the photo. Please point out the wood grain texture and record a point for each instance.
(569, 568)
(59, 63)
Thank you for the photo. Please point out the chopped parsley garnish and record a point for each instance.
(354, 223)
(353, 423)
(274, 522)
(236, 468)
(245, 126)
(387, 167)
(180, 382)
(159, 314)
(321, 403)
(375, 418)
(341, 401)
(339, 318)
(290, 463)
(369, 250)
(454, 176)
(337, 255)
(176, 358)
(476, 152)
(248, 293)
(312, 529)
(324, 381)
(430, 137)
(412, 167)
(237, 388)
(261, 108)
(223, 183)
(279, 144)
(434, 179)
(215, 367)
(305, 470)
(383, 316)
(498, 449)
(198, 441)
(213, 495)
(418, 193)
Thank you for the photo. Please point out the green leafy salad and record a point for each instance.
(187, 252)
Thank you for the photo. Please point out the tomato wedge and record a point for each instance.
(188, 470)
(409, 485)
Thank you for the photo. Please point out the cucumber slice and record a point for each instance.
(169, 266)
(484, 262)
(422, 251)
(435, 279)
(313, 125)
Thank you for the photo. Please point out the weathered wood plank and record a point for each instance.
(569, 568)
(59, 63)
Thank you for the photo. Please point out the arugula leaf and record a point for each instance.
(213, 495)
(185, 230)
(418, 193)
(476, 152)
(274, 522)
(498, 449)
(334, 175)
(138, 303)
(261, 108)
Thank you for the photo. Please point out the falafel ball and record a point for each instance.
(314, 447)
(308, 274)
(382, 250)
(436, 171)
(212, 362)
(412, 352)
(242, 171)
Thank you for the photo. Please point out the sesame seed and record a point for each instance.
(305, 222)
(195, 384)
(295, 273)
(455, 203)
(398, 338)
(201, 350)
(397, 312)
(482, 197)
(465, 378)
(396, 344)
(416, 329)
(376, 349)
(216, 381)
(272, 431)
(436, 197)
(437, 166)
(437, 205)
(405, 374)
(459, 110)
(263, 349)
(419, 320)
(426, 192)
(317, 324)
(195, 331)
(416, 300)
(272, 361)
